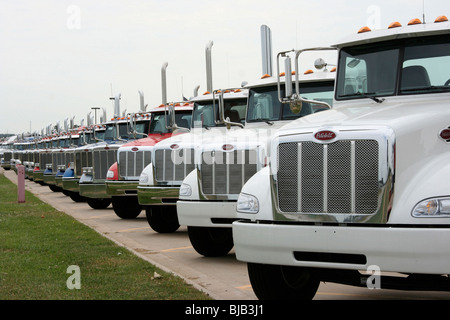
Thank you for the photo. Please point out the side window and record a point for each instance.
(355, 76)
(183, 120)
(426, 66)
(263, 107)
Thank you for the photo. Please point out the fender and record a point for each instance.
(146, 177)
(259, 186)
(113, 173)
(191, 180)
(429, 182)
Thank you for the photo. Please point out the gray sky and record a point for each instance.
(59, 58)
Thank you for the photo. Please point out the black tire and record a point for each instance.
(163, 219)
(54, 188)
(274, 282)
(126, 207)
(75, 196)
(98, 203)
(211, 242)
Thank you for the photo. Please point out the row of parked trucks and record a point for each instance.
(310, 176)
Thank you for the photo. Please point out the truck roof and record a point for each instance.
(396, 30)
(308, 76)
(228, 94)
(179, 106)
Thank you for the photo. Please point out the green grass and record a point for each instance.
(38, 243)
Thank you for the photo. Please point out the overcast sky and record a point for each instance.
(59, 58)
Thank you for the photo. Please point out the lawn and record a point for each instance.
(47, 255)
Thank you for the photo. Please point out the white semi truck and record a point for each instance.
(174, 158)
(208, 195)
(359, 194)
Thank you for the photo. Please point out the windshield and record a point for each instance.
(371, 70)
(264, 105)
(160, 121)
(110, 132)
(205, 116)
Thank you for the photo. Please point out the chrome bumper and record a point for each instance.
(121, 188)
(158, 195)
(96, 190)
(70, 184)
(49, 179)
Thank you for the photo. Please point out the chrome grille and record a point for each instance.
(340, 177)
(58, 158)
(224, 173)
(35, 157)
(7, 156)
(45, 158)
(131, 163)
(173, 165)
(102, 160)
(82, 159)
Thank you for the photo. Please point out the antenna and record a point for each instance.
(423, 11)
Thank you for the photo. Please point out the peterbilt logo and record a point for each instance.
(445, 134)
(134, 149)
(325, 135)
(174, 146)
(227, 147)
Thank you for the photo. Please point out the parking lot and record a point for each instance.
(223, 278)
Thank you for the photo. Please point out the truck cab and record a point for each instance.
(173, 158)
(362, 186)
(100, 156)
(123, 176)
(209, 193)
(87, 135)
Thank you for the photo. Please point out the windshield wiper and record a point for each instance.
(365, 95)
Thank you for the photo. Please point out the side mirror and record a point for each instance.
(172, 116)
(288, 78)
(319, 64)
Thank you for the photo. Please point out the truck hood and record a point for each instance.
(402, 114)
(150, 140)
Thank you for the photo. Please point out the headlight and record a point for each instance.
(143, 178)
(110, 174)
(247, 203)
(185, 190)
(435, 207)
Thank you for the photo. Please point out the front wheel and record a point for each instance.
(75, 196)
(126, 207)
(98, 203)
(163, 219)
(274, 282)
(211, 242)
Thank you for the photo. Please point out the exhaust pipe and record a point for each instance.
(141, 100)
(163, 82)
(266, 50)
(196, 90)
(209, 84)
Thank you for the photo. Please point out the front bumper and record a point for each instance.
(158, 195)
(96, 190)
(392, 249)
(206, 213)
(121, 187)
(38, 175)
(49, 179)
(70, 184)
(6, 166)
